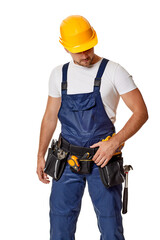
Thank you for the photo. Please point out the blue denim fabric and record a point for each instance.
(84, 122)
(65, 205)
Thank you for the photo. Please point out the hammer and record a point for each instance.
(127, 168)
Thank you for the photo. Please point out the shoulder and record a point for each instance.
(120, 78)
(111, 68)
(115, 67)
(55, 81)
(56, 70)
(112, 65)
(116, 71)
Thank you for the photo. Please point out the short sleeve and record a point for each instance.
(123, 80)
(54, 86)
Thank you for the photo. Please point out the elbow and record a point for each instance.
(142, 116)
(145, 116)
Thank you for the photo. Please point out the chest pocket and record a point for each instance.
(81, 102)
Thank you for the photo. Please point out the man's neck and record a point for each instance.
(95, 59)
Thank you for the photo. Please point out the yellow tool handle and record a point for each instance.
(73, 162)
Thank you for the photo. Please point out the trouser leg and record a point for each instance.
(107, 205)
(65, 204)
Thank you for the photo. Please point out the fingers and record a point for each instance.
(96, 155)
(43, 177)
(103, 154)
(104, 163)
(40, 171)
(100, 158)
(96, 145)
(101, 161)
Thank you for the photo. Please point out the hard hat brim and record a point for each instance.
(83, 47)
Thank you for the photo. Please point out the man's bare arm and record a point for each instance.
(48, 126)
(136, 104)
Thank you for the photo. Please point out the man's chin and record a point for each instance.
(85, 63)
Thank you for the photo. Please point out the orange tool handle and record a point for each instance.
(73, 162)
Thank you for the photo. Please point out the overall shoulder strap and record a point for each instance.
(64, 78)
(97, 81)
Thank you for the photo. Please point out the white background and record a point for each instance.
(29, 49)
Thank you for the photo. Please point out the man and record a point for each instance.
(84, 95)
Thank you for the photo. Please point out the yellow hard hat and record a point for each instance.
(77, 35)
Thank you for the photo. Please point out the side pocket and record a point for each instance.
(50, 163)
(112, 174)
(54, 167)
(47, 163)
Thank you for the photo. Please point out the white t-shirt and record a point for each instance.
(115, 82)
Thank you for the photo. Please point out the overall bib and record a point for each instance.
(84, 122)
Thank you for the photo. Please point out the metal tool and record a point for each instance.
(86, 157)
(54, 144)
(127, 168)
(61, 154)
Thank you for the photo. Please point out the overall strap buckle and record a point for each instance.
(64, 78)
(97, 81)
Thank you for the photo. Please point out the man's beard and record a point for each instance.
(85, 62)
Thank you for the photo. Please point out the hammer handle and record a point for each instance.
(125, 200)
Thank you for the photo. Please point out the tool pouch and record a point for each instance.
(113, 173)
(85, 167)
(54, 166)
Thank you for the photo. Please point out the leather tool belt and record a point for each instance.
(111, 175)
(73, 149)
(85, 164)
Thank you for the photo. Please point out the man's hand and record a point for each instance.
(43, 177)
(105, 151)
(48, 126)
(136, 104)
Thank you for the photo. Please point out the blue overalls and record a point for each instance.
(84, 122)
